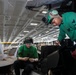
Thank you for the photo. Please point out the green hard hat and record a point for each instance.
(50, 15)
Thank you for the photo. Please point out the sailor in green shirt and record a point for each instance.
(27, 55)
(66, 23)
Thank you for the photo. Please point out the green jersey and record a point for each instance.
(68, 26)
(27, 52)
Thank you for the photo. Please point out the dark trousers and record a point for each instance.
(26, 65)
(67, 61)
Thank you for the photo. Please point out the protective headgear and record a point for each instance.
(28, 40)
(49, 16)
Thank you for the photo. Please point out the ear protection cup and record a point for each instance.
(49, 16)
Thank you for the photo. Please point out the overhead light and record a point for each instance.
(39, 34)
(29, 0)
(47, 31)
(33, 24)
(44, 12)
(26, 31)
(17, 38)
(54, 36)
(34, 36)
(21, 35)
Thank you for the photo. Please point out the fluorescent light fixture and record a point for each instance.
(26, 31)
(55, 36)
(33, 24)
(44, 12)
(47, 31)
(39, 34)
(18, 37)
(21, 35)
(29, 0)
(34, 37)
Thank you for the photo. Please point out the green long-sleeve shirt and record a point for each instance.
(68, 26)
(27, 52)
